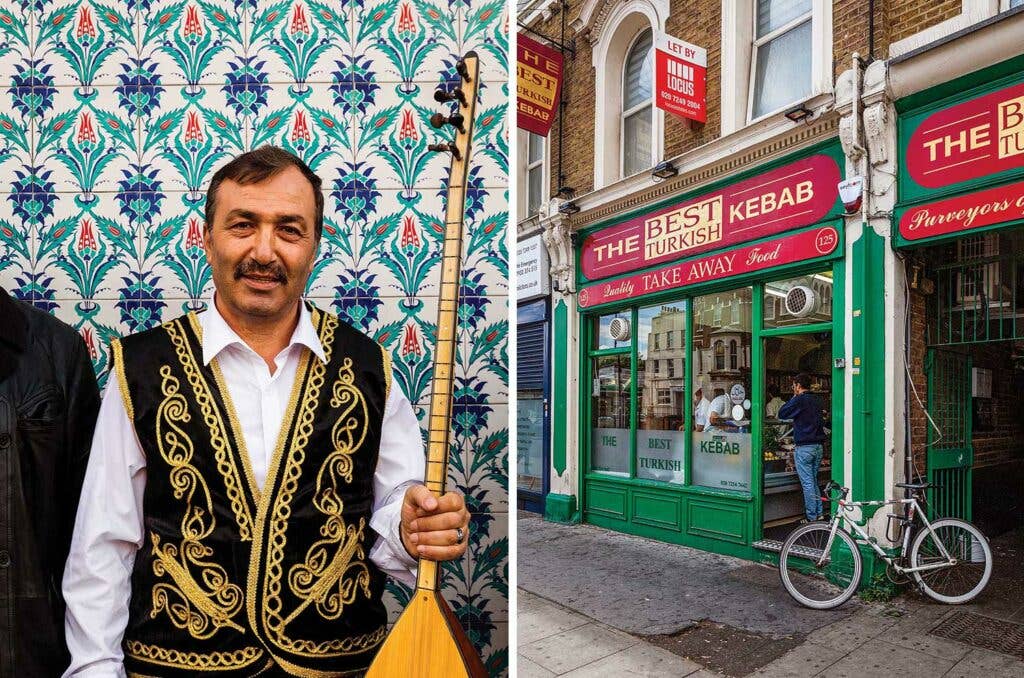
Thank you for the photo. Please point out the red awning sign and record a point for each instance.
(969, 140)
(681, 78)
(785, 250)
(965, 212)
(788, 197)
(538, 80)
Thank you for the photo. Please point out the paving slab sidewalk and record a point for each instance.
(601, 603)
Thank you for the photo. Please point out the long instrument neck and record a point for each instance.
(439, 430)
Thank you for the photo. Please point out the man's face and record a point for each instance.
(261, 245)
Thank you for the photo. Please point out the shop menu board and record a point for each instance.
(964, 142)
(794, 195)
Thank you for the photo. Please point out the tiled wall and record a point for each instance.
(114, 116)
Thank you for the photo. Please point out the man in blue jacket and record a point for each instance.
(804, 409)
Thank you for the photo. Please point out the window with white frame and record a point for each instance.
(535, 192)
(780, 70)
(776, 54)
(637, 105)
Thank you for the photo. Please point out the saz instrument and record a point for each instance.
(427, 641)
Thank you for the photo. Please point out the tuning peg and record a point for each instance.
(462, 70)
(444, 147)
(438, 120)
(456, 94)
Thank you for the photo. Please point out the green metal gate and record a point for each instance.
(950, 453)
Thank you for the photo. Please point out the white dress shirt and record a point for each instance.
(109, 524)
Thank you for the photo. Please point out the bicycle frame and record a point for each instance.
(847, 507)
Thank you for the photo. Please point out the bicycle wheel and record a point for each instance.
(957, 583)
(817, 579)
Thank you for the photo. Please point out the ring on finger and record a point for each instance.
(460, 534)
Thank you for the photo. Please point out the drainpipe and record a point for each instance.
(856, 137)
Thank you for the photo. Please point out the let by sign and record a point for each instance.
(789, 197)
(785, 250)
(969, 140)
(681, 78)
(538, 80)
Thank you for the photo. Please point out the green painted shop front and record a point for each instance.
(959, 224)
(667, 339)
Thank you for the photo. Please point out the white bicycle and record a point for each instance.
(821, 564)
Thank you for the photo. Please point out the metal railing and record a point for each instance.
(978, 300)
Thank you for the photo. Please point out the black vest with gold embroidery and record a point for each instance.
(233, 579)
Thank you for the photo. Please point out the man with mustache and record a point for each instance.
(255, 472)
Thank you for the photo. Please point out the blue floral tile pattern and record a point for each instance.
(114, 116)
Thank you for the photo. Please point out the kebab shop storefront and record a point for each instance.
(960, 228)
(696, 313)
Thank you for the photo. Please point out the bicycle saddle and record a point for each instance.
(914, 486)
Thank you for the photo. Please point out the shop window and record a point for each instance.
(661, 397)
(613, 331)
(637, 106)
(802, 300)
(721, 445)
(610, 413)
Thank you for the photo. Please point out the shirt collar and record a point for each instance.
(218, 335)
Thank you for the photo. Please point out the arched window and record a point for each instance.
(637, 105)
(719, 355)
(628, 128)
(733, 356)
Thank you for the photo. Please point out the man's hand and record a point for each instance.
(429, 527)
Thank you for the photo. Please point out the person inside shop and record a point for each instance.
(718, 413)
(771, 410)
(804, 410)
(701, 406)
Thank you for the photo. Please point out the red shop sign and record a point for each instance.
(785, 250)
(538, 80)
(795, 195)
(964, 213)
(970, 140)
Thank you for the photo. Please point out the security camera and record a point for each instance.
(851, 192)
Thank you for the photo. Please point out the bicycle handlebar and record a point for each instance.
(833, 486)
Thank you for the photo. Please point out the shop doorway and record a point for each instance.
(967, 361)
(786, 356)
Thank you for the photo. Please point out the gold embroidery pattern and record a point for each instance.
(322, 579)
(122, 381)
(387, 373)
(215, 424)
(206, 661)
(201, 611)
(273, 621)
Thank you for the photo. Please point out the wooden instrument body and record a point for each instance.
(427, 641)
